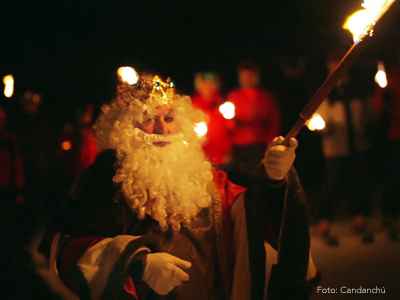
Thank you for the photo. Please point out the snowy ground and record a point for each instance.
(353, 264)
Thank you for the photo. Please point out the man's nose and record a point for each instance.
(161, 127)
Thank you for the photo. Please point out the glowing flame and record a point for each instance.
(362, 22)
(316, 122)
(380, 77)
(66, 145)
(359, 23)
(201, 129)
(8, 85)
(227, 110)
(128, 74)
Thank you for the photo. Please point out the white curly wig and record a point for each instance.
(168, 183)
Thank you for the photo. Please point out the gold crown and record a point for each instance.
(137, 87)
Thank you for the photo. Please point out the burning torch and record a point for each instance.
(8, 85)
(380, 77)
(361, 24)
(128, 75)
(226, 109)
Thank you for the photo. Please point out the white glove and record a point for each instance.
(163, 272)
(278, 158)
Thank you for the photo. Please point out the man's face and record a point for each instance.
(162, 121)
(85, 119)
(248, 78)
(207, 89)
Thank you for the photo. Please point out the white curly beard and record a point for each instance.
(168, 183)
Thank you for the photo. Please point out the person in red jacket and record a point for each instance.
(208, 98)
(11, 183)
(77, 141)
(151, 218)
(77, 145)
(257, 121)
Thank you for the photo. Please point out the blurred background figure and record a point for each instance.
(291, 89)
(77, 146)
(292, 86)
(11, 187)
(346, 148)
(207, 97)
(387, 103)
(35, 137)
(257, 121)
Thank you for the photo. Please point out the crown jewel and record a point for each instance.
(133, 86)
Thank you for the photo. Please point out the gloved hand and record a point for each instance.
(163, 272)
(278, 158)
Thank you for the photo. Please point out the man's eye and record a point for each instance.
(149, 120)
(169, 118)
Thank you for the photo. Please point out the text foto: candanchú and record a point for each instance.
(347, 290)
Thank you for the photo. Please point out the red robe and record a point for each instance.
(76, 247)
(105, 249)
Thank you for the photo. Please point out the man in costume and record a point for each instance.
(151, 219)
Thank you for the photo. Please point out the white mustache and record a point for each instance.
(150, 139)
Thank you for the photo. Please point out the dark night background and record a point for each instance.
(70, 50)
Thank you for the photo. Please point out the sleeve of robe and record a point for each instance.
(99, 261)
(260, 212)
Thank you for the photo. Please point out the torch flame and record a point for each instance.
(362, 22)
(316, 122)
(380, 77)
(201, 129)
(66, 145)
(8, 85)
(227, 110)
(128, 74)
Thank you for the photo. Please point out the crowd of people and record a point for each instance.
(137, 180)
(356, 149)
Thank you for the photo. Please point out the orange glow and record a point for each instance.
(128, 74)
(361, 23)
(201, 129)
(380, 77)
(66, 145)
(315, 123)
(8, 85)
(227, 110)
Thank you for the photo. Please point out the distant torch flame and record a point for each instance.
(8, 86)
(362, 22)
(316, 122)
(227, 110)
(380, 77)
(128, 74)
(66, 145)
(201, 129)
